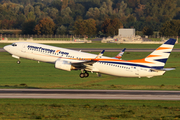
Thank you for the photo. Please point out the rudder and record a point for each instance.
(159, 56)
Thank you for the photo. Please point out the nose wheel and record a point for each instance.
(18, 62)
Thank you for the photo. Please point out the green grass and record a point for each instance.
(104, 45)
(88, 109)
(31, 74)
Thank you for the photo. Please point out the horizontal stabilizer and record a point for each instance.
(164, 69)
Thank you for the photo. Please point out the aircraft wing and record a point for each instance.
(87, 64)
(81, 64)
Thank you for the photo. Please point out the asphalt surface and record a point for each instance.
(110, 50)
(90, 94)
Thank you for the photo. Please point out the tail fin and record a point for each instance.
(120, 54)
(159, 57)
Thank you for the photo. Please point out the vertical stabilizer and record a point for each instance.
(159, 57)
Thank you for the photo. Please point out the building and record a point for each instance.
(126, 32)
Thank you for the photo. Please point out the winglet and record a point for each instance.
(100, 54)
(120, 54)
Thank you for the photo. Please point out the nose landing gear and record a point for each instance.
(18, 62)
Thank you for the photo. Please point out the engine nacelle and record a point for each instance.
(63, 65)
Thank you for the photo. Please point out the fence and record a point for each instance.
(39, 37)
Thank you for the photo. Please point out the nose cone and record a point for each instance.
(6, 48)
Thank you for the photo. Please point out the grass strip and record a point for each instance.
(88, 109)
(31, 74)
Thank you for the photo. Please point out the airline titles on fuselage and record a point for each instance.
(45, 50)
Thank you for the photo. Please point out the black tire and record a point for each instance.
(86, 74)
(18, 62)
(82, 75)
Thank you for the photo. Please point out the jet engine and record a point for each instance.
(63, 65)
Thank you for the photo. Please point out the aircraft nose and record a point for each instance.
(6, 47)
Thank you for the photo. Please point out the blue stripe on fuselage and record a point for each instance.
(131, 64)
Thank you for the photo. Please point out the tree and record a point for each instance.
(56, 4)
(110, 26)
(122, 9)
(91, 27)
(7, 24)
(93, 13)
(147, 31)
(37, 11)
(31, 16)
(20, 19)
(161, 9)
(28, 8)
(64, 4)
(66, 18)
(52, 12)
(77, 10)
(85, 27)
(62, 30)
(45, 26)
(80, 27)
(171, 28)
(28, 27)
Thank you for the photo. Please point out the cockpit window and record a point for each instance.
(14, 44)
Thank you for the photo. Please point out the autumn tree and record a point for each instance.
(91, 25)
(45, 26)
(64, 4)
(7, 24)
(110, 26)
(85, 27)
(80, 27)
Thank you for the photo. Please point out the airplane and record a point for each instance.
(66, 59)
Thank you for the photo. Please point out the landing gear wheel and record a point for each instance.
(18, 62)
(86, 74)
(82, 75)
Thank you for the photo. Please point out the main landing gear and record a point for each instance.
(82, 75)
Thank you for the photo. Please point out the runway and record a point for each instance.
(90, 94)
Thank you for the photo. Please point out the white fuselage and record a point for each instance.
(106, 65)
